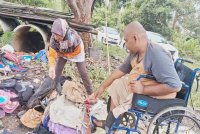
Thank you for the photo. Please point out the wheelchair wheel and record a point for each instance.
(128, 120)
(175, 120)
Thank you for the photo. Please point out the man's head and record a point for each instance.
(135, 37)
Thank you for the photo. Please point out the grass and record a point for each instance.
(194, 99)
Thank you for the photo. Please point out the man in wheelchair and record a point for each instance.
(144, 57)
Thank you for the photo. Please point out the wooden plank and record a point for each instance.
(41, 16)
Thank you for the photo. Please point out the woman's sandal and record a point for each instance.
(94, 125)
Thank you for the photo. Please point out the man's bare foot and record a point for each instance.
(99, 123)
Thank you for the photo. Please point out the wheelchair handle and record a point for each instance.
(186, 60)
(147, 76)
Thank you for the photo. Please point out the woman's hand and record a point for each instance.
(52, 73)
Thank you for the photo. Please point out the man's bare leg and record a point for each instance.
(112, 105)
(101, 123)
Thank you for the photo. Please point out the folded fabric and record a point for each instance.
(2, 65)
(22, 86)
(7, 83)
(45, 121)
(74, 91)
(14, 67)
(8, 48)
(41, 130)
(64, 112)
(39, 54)
(7, 62)
(32, 117)
(11, 105)
(24, 92)
(47, 86)
(60, 129)
(4, 98)
(19, 69)
(2, 113)
(99, 110)
(12, 57)
(18, 76)
(62, 79)
(6, 104)
(42, 56)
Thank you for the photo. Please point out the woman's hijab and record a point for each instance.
(71, 37)
(60, 27)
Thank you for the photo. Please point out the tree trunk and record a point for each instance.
(82, 10)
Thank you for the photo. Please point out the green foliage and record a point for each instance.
(37, 3)
(188, 47)
(99, 17)
(194, 99)
(157, 16)
(128, 15)
(1, 30)
(6, 38)
(187, 15)
(114, 51)
(154, 15)
(98, 74)
(59, 5)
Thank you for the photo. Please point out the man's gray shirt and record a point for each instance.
(159, 63)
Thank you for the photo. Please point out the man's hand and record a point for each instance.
(92, 98)
(137, 87)
(52, 73)
(95, 96)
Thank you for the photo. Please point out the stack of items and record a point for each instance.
(14, 89)
(64, 112)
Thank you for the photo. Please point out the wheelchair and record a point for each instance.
(162, 116)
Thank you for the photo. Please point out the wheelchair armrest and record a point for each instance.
(147, 76)
(184, 85)
(184, 60)
(148, 104)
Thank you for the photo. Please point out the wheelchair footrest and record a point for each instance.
(151, 105)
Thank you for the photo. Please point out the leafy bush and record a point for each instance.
(114, 51)
(1, 30)
(6, 38)
(188, 47)
(37, 3)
